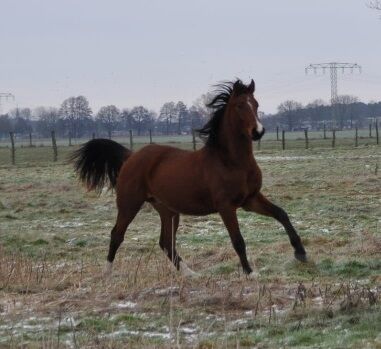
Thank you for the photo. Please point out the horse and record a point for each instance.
(221, 177)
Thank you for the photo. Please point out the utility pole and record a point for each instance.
(6, 96)
(333, 68)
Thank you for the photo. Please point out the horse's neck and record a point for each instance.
(238, 150)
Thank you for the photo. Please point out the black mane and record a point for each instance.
(209, 132)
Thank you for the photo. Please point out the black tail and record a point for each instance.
(98, 161)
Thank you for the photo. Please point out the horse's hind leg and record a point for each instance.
(169, 225)
(260, 204)
(124, 218)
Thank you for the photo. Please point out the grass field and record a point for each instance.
(54, 239)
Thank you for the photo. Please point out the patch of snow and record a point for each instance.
(239, 322)
(69, 224)
(188, 330)
(318, 300)
(166, 291)
(125, 305)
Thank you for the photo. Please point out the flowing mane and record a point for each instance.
(209, 132)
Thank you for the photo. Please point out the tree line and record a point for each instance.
(346, 113)
(75, 118)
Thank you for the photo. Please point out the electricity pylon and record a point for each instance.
(333, 68)
(6, 96)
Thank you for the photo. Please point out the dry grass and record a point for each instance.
(53, 239)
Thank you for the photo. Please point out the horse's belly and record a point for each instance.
(184, 197)
(185, 204)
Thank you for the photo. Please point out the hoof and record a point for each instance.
(193, 275)
(187, 272)
(253, 275)
(302, 257)
(107, 271)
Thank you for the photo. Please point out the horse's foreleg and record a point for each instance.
(229, 216)
(260, 204)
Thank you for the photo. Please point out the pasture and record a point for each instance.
(54, 239)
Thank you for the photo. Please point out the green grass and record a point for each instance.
(54, 238)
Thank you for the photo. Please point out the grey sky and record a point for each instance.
(149, 52)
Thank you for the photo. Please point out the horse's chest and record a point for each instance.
(254, 182)
(239, 190)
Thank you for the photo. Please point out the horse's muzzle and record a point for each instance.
(256, 136)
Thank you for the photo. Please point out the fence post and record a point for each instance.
(194, 140)
(306, 137)
(356, 137)
(324, 131)
(283, 140)
(131, 141)
(377, 138)
(370, 130)
(13, 150)
(277, 133)
(93, 135)
(54, 144)
(150, 136)
(333, 138)
(69, 139)
(30, 140)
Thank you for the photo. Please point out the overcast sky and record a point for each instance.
(144, 52)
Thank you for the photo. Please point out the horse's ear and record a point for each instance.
(237, 85)
(251, 87)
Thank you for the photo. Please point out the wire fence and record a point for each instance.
(19, 149)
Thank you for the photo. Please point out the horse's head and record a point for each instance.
(234, 109)
(243, 110)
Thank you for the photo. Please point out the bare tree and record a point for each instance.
(75, 110)
(375, 4)
(345, 109)
(195, 118)
(316, 103)
(47, 119)
(167, 115)
(315, 112)
(5, 125)
(126, 120)
(289, 110)
(181, 114)
(200, 104)
(108, 117)
(21, 119)
(143, 118)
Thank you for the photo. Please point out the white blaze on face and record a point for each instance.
(259, 127)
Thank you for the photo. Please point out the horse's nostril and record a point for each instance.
(257, 135)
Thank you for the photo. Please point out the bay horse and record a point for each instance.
(221, 177)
